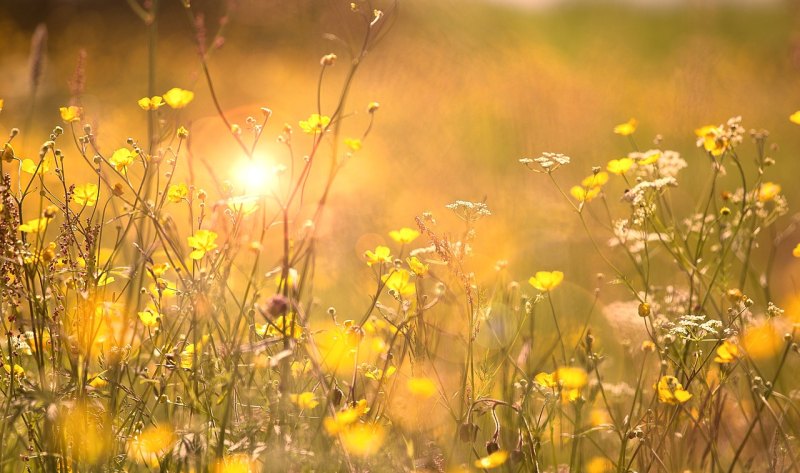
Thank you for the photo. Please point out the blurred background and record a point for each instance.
(466, 89)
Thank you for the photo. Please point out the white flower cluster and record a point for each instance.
(469, 211)
(639, 197)
(549, 162)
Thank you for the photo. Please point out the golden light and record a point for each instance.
(256, 176)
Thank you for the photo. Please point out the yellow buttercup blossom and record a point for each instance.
(378, 374)
(316, 123)
(151, 103)
(421, 269)
(151, 445)
(768, 191)
(547, 380)
(354, 144)
(201, 243)
(405, 235)
(178, 98)
(363, 440)
(712, 139)
(399, 281)
(19, 371)
(149, 317)
(284, 325)
(239, 463)
(382, 254)
(494, 460)
(421, 387)
(70, 114)
(619, 166)
(97, 382)
(572, 377)
(30, 166)
(595, 180)
(36, 225)
(761, 341)
(627, 128)
(86, 195)
(341, 420)
(599, 465)
(546, 280)
(304, 400)
(795, 117)
(670, 391)
(727, 352)
(796, 251)
(582, 194)
(177, 192)
(122, 158)
(650, 157)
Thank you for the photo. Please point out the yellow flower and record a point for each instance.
(122, 158)
(1, 104)
(595, 180)
(70, 114)
(670, 391)
(378, 374)
(201, 243)
(494, 460)
(627, 128)
(547, 380)
(650, 157)
(86, 195)
(182, 132)
(36, 225)
(19, 372)
(282, 326)
(153, 443)
(421, 387)
(712, 139)
(187, 356)
(405, 235)
(794, 118)
(761, 341)
(304, 400)
(796, 251)
(239, 463)
(399, 281)
(339, 422)
(363, 440)
(149, 317)
(97, 382)
(316, 123)
(582, 194)
(572, 377)
(728, 352)
(177, 192)
(768, 191)
(151, 103)
(31, 167)
(382, 254)
(178, 98)
(353, 143)
(421, 269)
(599, 465)
(619, 166)
(546, 280)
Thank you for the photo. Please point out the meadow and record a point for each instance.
(399, 236)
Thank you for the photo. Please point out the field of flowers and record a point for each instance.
(193, 281)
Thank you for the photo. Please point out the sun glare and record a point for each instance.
(256, 176)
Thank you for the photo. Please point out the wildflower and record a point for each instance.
(493, 460)
(328, 60)
(153, 443)
(405, 235)
(728, 352)
(336, 424)
(187, 356)
(599, 465)
(378, 374)
(761, 341)
(149, 317)
(202, 242)
(670, 391)
(282, 326)
(97, 382)
(363, 440)
(304, 400)
(619, 166)
(469, 211)
(572, 377)
(768, 191)
(381, 254)
(627, 128)
(597, 179)
(583, 194)
(549, 162)
(177, 192)
(36, 225)
(19, 372)
(796, 251)
(1, 104)
(354, 144)
(151, 103)
(182, 132)
(239, 463)
(31, 167)
(122, 158)
(421, 269)
(70, 114)
(546, 280)
(712, 139)
(399, 281)
(372, 107)
(86, 195)
(316, 123)
(421, 387)
(650, 156)
(794, 118)
(178, 98)
(546, 380)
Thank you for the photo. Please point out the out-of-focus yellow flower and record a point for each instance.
(627, 128)
(583, 194)
(182, 132)
(97, 382)
(796, 251)
(149, 317)
(595, 180)
(547, 380)
(421, 387)
(619, 166)
(761, 341)
(178, 98)
(794, 118)
(768, 191)
(354, 144)
(382, 254)
(316, 123)
(1, 104)
(494, 460)
(239, 463)
(284, 325)
(36, 225)
(153, 443)
(728, 352)
(572, 377)
(363, 440)
(399, 281)
(405, 235)
(546, 280)
(670, 391)
(104, 279)
(339, 422)
(378, 374)
(712, 139)
(151, 103)
(177, 192)
(86, 195)
(30, 166)
(304, 400)
(70, 114)
(187, 356)
(421, 269)
(122, 158)
(19, 372)
(599, 465)
(650, 157)
(201, 243)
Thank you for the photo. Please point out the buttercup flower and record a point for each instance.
(150, 103)
(86, 195)
(122, 158)
(494, 460)
(728, 352)
(202, 242)
(546, 280)
(316, 123)
(381, 254)
(177, 97)
(670, 391)
(405, 235)
(627, 128)
(177, 192)
(619, 166)
(70, 114)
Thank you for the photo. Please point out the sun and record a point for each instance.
(257, 175)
